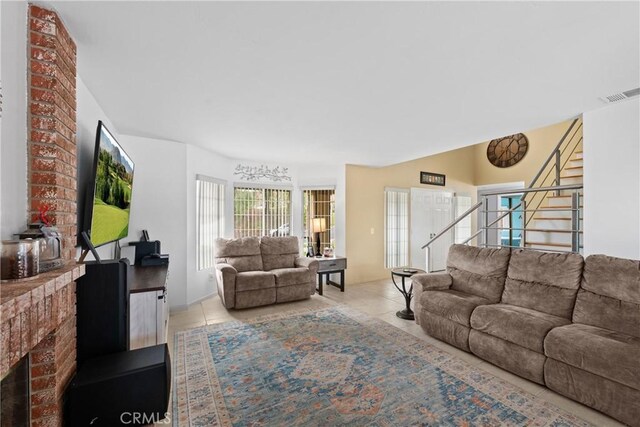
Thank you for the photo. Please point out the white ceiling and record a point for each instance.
(359, 82)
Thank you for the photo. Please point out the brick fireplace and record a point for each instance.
(37, 316)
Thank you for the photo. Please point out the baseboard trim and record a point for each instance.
(184, 307)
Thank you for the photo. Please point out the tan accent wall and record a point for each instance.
(365, 204)
(465, 168)
(541, 142)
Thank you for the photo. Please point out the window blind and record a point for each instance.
(209, 217)
(261, 211)
(396, 233)
(319, 203)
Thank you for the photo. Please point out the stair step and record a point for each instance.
(570, 180)
(548, 224)
(548, 230)
(560, 196)
(561, 201)
(549, 237)
(553, 218)
(555, 208)
(571, 176)
(550, 213)
(559, 245)
(574, 167)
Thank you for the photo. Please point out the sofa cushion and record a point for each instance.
(614, 399)
(291, 276)
(279, 252)
(600, 351)
(451, 304)
(478, 271)
(254, 280)
(242, 254)
(518, 325)
(514, 358)
(610, 295)
(543, 281)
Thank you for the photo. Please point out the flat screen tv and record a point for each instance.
(109, 199)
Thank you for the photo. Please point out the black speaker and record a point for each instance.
(102, 309)
(127, 388)
(144, 249)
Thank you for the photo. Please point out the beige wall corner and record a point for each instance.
(365, 204)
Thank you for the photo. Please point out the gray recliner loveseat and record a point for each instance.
(254, 271)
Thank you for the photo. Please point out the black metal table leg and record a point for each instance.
(407, 313)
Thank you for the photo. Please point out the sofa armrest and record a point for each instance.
(427, 282)
(432, 281)
(226, 278)
(310, 263)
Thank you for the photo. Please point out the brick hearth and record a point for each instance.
(38, 318)
(38, 315)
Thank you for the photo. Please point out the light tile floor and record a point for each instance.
(378, 299)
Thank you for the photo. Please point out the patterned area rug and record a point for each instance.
(337, 367)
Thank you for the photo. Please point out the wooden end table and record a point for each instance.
(329, 265)
(404, 273)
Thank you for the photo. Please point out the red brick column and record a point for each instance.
(53, 362)
(52, 123)
(52, 184)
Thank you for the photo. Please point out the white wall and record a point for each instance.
(88, 112)
(158, 204)
(612, 180)
(13, 135)
(201, 284)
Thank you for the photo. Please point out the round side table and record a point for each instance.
(405, 273)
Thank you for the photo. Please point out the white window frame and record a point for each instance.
(331, 226)
(264, 228)
(210, 217)
(396, 227)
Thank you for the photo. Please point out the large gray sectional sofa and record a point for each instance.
(559, 320)
(254, 271)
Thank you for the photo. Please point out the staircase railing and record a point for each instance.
(554, 163)
(565, 148)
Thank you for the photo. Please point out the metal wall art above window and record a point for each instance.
(254, 173)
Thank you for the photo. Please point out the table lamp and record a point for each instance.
(318, 225)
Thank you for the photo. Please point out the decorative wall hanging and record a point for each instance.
(432, 178)
(507, 151)
(254, 173)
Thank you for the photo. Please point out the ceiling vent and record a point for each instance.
(617, 97)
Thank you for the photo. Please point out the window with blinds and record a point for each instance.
(320, 205)
(396, 233)
(261, 211)
(209, 217)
